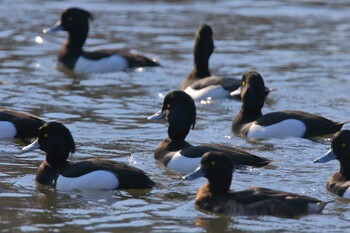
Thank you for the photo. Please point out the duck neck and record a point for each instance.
(201, 69)
(250, 114)
(76, 40)
(177, 132)
(220, 186)
(57, 158)
(345, 170)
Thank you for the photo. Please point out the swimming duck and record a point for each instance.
(199, 83)
(72, 56)
(339, 182)
(250, 122)
(175, 153)
(216, 195)
(14, 124)
(57, 142)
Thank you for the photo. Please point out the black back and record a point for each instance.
(27, 125)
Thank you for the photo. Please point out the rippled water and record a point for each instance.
(301, 48)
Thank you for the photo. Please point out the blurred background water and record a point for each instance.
(301, 48)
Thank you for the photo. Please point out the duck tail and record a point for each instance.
(340, 125)
(140, 61)
(317, 207)
(343, 123)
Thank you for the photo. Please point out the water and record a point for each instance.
(300, 47)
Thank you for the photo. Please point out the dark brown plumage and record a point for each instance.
(216, 195)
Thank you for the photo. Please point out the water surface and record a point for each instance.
(300, 47)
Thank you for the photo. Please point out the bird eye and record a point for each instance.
(243, 83)
(168, 106)
(343, 145)
(46, 135)
(212, 163)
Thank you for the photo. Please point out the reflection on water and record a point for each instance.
(300, 48)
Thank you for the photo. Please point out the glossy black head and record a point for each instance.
(252, 91)
(204, 44)
(57, 141)
(179, 110)
(341, 145)
(75, 19)
(217, 168)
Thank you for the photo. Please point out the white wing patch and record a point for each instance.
(213, 91)
(7, 129)
(183, 164)
(108, 64)
(94, 180)
(286, 128)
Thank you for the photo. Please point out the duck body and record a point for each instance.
(250, 122)
(212, 87)
(339, 182)
(21, 125)
(199, 83)
(177, 154)
(56, 140)
(216, 196)
(92, 174)
(72, 56)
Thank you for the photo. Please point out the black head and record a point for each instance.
(252, 91)
(340, 151)
(179, 110)
(179, 105)
(341, 145)
(204, 44)
(217, 167)
(57, 141)
(75, 19)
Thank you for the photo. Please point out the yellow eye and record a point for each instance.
(243, 83)
(212, 163)
(168, 106)
(46, 135)
(70, 18)
(344, 145)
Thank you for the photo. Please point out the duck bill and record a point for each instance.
(198, 173)
(236, 93)
(156, 116)
(35, 145)
(55, 28)
(327, 157)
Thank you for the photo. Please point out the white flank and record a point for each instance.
(7, 129)
(93, 180)
(213, 91)
(286, 128)
(183, 164)
(346, 193)
(108, 64)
